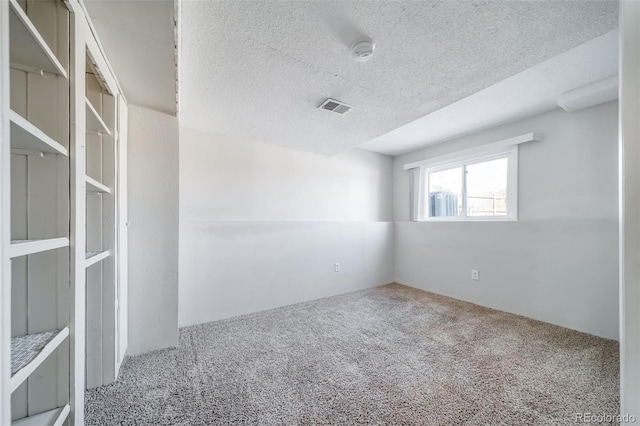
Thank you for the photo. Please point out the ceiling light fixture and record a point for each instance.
(362, 50)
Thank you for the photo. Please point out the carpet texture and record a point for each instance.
(389, 355)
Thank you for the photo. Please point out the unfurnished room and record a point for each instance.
(315, 212)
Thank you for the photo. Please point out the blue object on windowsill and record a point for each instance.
(444, 204)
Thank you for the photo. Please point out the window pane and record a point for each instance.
(487, 188)
(445, 193)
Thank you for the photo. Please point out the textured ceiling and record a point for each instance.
(259, 69)
(139, 40)
(527, 93)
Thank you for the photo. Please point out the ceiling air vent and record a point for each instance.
(335, 106)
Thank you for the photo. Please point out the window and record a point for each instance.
(479, 183)
(476, 186)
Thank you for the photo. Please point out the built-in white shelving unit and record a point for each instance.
(28, 48)
(100, 222)
(61, 221)
(37, 241)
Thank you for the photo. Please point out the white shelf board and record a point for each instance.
(55, 417)
(94, 257)
(22, 374)
(95, 186)
(26, 247)
(25, 135)
(94, 121)
(27, 47)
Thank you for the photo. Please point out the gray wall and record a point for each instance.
(241, 252)
(261, 226)
(559, 262)
(153, 230)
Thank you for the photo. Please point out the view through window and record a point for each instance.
(472, 189)
(487, 188)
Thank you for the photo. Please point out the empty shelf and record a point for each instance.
(26, 247)
(27, 47)
(25, 135)
(93, 257)
(95, 186)
(55, 417)
(94, 121)
(28, 352)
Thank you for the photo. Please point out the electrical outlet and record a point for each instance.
(336, 267)
(475, 275)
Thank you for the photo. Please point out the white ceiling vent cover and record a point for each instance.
(335, 106)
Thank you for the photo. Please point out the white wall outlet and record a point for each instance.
(475, 275)
(336, 267)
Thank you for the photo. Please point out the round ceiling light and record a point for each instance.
(363, 50)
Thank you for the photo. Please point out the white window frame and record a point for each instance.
(507, 148)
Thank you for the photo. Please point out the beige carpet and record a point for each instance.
(389, 355)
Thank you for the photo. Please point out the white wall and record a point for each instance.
(630, 208)
(153, 231)
(261, 226)
(559, 262)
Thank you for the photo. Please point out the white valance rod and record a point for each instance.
(516, 140)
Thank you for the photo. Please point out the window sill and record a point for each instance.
(475, 219)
